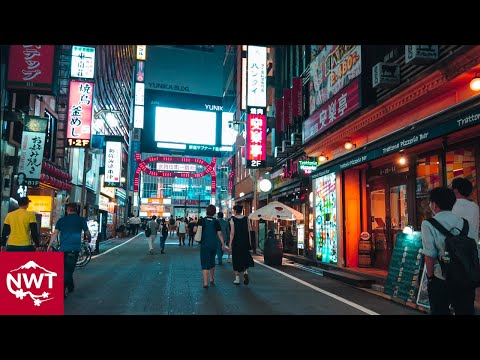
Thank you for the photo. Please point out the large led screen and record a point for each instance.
(184, 124)
(189, 126)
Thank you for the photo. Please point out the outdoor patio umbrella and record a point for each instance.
(276, 210)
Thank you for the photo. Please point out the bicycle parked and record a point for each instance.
(84, 255)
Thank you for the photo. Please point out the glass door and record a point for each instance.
(398, 213)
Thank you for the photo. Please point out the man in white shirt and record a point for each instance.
(441, 203)
(465, 208)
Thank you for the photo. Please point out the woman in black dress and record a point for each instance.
(240, 245)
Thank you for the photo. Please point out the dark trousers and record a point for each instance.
(441, 297)
(135, 228)
(69, 262)
(163, 238)
(20, 248)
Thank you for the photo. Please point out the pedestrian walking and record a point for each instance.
(69, 230)
(164, 235)
(181, 230)
(240, 245)
(465, 208)
(226, 236)
(211, 236)
(20, 229)
(440, 295)
(153, 226)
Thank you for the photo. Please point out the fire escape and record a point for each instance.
(62, 103)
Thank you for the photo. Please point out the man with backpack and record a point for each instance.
(447, 242)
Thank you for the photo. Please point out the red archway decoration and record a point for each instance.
(142, 167)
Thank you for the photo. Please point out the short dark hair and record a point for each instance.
(238, 208)
(220, 215)
(444, 197)
(154, 217)
(72, 207)
(23, 201)
(464, 186)
(211, 210)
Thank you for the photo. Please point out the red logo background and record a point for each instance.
(36, 280)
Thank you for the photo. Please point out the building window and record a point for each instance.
(461, 163)
(427, 178)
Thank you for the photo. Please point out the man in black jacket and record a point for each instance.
(20, 227)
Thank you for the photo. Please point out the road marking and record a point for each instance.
(113, 248)
(336, 297)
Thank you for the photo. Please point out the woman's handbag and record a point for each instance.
(148, 231)
(198, 234)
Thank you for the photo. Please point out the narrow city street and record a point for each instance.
(125, 279)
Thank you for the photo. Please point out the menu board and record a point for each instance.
(405, 268)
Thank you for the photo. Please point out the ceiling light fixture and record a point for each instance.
(349, 145)
(322, 157)
(475, 83)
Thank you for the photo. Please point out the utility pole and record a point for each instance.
(84, 180)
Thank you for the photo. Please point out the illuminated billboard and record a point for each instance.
(184, 124)
(113, 161)
(79, 122)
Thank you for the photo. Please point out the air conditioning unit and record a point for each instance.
(421, 54)
(385, 75)
(287, 147)
(279, 153)
(296, 139)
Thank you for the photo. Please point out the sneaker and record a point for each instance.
(212, 283)
(151, 251)
(236, 282)
(245, 279)
(161, 251)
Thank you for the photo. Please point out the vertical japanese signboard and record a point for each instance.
(31, 67)
(139, 87)
(83, 62)
(79, 121)
(257, 76)
(256, 139)
(33, 143)
(279, 119)
(113, 161)
(256, 142)
(297, 97)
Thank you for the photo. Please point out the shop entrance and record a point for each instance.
(388, 214)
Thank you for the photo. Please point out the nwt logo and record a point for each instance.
(31, 283)
(21, 278)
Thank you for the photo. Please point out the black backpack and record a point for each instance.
(463, 268)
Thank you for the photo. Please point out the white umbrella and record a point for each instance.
(276, 210)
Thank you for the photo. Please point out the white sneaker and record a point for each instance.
(236, 282)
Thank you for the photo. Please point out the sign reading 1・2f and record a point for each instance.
(256, 141)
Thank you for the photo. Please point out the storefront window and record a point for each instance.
(461, 163)
(326, 219)
(428, 177)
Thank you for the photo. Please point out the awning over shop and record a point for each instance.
(244, 197)
(288, 189)
(450, 120)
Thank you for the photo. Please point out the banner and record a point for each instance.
(297, 97)
(79, 123)
(32, 147)
(287, 107)
(335, 110)
(279, 122)
(256, 141)
(113, 162)
(334, 68)
(31, 67)
(257, 76)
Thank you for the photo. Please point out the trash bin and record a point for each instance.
(273, 250)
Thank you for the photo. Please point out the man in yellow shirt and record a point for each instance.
(21, 228)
